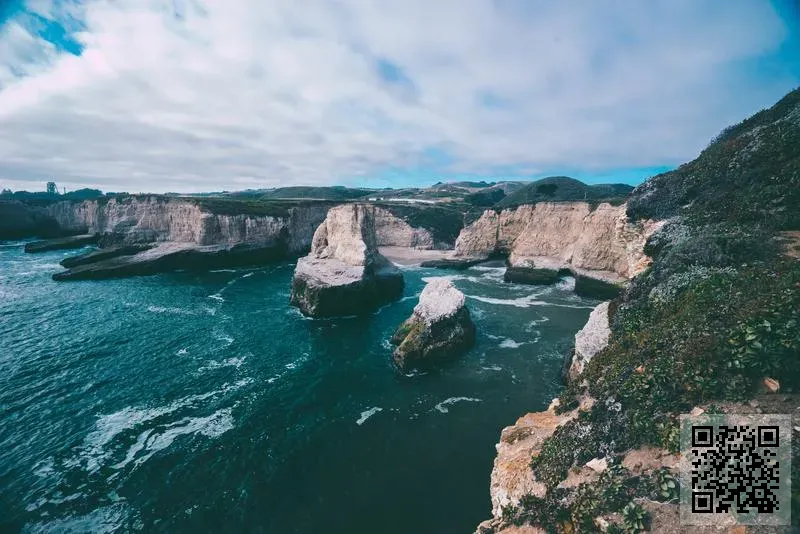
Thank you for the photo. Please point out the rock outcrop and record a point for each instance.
(512, 476)
(591, 339)
(599, 242)
(62, 243)
(345, 274)
(392, 231)
(439, 329)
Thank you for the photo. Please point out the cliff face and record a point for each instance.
(154, 219)
(392, 231)
(562, 235)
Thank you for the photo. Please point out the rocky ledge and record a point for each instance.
(439, 329)
(345, 274)
(119, 262)
(62, 243)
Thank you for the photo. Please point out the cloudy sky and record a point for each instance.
(199, 95)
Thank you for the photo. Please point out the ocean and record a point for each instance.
(191, 402)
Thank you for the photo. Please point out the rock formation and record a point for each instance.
(392, 231)
(440, 328)
(345, 274)
(18, 221)
(600, 242)
(591, 339)
(206, 232)
(512, 476)
(153, 218)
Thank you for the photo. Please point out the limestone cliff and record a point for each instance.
(559, 235)
(344, 273)
(154, 219)
(392, 231)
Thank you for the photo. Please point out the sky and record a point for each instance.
(209, 95)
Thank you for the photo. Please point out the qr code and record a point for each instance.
(735, 469)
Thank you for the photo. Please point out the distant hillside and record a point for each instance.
(563, 188)
(749, 173)
(318, 193)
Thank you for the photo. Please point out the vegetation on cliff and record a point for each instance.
(716, 313)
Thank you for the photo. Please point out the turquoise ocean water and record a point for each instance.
(203, 402)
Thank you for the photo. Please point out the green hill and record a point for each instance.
(749, 173)
(317, 193)
(562, 189)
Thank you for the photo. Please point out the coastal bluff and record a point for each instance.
(344, 274)
(598, 242)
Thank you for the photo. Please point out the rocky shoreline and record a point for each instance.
(721, 284)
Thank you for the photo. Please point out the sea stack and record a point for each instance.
(439, 329)
(344, 274)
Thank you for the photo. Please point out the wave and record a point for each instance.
(182, 352)
(526, 302)
(222, 336)
(492, 368)
(451, 277)
(230, 362)
(217, 297)
(97, 449)
(151, 441)
(442, 406)
(170, 310)
(112, 518)
(536, 322)
(567, 284)
(509, 343)
(366, 414)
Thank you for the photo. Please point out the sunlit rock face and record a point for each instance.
(598, 241)
(344, 274)
(591, 339)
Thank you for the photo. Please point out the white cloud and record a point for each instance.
(269, 92)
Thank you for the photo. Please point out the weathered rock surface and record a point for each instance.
(512, 477)
(104, 254)
(440, 328)
(590, 340)
(148, 219)
(457, 264)
(345, 274)
(598, 242)
(18, 221)
(166, 257)
(392, 231)
(62, 243)
(531, 275)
